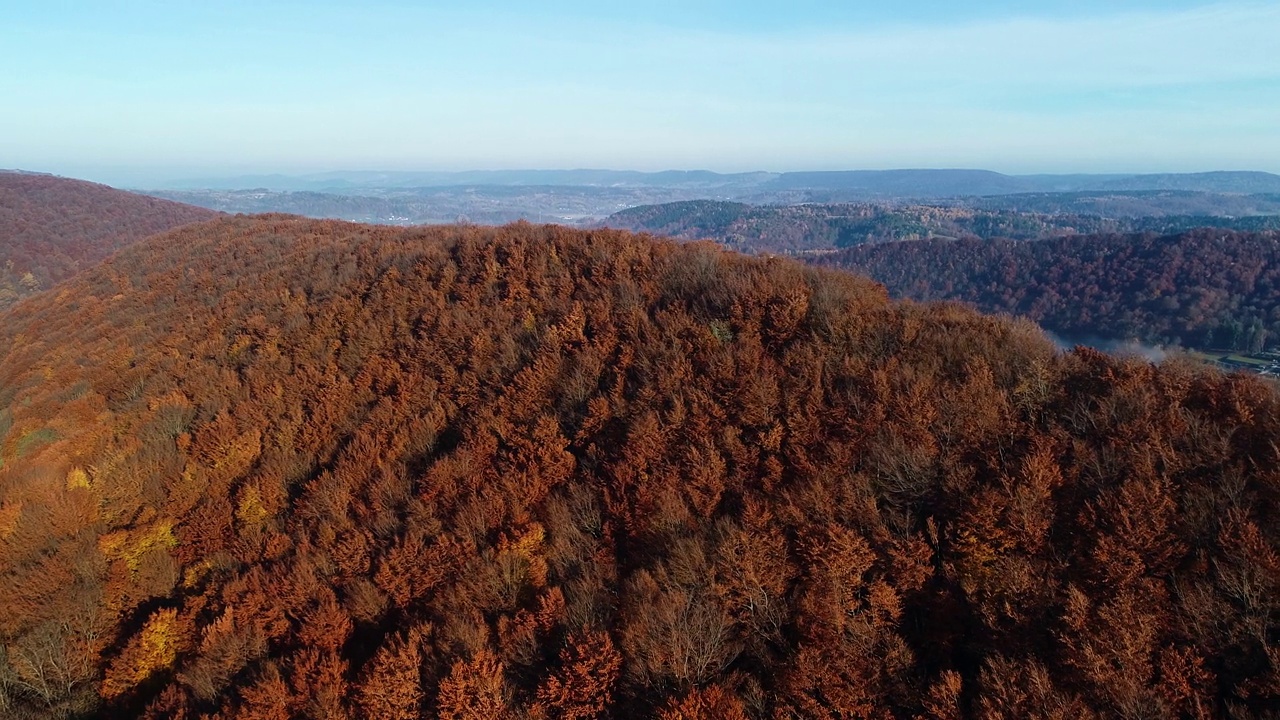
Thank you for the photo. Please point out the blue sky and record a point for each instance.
(133, 89)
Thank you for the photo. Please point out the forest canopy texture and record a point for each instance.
(276, 468)
(52, 227)
(1206, 288)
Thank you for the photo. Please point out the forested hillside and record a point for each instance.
(1205, 288)
(809, 228)
(275, 468)
(52, 227)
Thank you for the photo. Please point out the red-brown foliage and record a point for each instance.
(278, 468)
(51, 228)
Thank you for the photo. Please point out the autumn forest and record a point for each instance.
(1206, 288)
(273, 468)
(52, 227)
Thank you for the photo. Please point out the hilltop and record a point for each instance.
(270, 468)
(52, 227)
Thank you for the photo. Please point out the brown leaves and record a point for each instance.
(391, 684)
(325, 626)
(474, 690)
(709, 703)
(617, 476)
(583, 688)
(413, 568)
(266, 699)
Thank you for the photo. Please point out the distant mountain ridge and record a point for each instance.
(903, 183)
(364, 180)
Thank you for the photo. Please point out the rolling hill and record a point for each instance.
(278, 468)
(1205, 288)
(52, 227)
(816, 228)
(950, 183)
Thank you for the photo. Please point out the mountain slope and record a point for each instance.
(272, 468)
(1205, 288)
(52, 227)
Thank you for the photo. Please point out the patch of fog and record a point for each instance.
(1151, 353)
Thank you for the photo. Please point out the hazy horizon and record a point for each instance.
(151, 179)
(148, 89)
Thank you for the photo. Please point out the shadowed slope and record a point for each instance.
(1204, 288)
